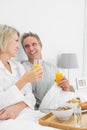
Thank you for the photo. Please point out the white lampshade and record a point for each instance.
(68, 61)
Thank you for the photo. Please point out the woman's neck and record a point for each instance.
(4, 58)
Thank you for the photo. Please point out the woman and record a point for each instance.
(16, 98)
(15, 88)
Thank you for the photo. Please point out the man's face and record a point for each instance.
(32, 48)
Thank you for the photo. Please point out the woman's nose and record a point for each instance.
(18, 46)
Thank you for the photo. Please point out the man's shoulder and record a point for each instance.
(49, 64)
(26, 64)
(24, 61)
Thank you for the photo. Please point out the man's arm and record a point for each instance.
(64, 84)
(72, 89)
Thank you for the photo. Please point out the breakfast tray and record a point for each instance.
(52, 121)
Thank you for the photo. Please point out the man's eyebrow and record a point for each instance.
(26, 45)
(34, 43)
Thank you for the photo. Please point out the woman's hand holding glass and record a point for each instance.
(37, 63)
(31, 75)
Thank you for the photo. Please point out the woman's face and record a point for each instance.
(12, 46)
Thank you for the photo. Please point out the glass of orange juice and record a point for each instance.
(58, 76)
(37, 63)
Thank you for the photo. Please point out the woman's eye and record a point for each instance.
(17, 40)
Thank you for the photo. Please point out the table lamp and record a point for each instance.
(67, 61)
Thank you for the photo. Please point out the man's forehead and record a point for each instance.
(30, 40)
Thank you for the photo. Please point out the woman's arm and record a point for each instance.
(13, 94)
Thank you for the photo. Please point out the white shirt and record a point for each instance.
(9, 93)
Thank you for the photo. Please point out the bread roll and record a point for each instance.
(83, 105)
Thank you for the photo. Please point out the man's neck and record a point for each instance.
(32, 60)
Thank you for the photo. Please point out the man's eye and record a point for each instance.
(34, 44)
(26, 46)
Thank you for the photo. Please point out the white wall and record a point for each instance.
(59, 23)
(85, 43)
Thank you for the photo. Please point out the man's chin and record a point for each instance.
(35, 57)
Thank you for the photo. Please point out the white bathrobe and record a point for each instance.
(10, 94)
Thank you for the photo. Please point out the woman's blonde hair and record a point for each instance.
(6, 33)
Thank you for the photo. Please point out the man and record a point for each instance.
(32, 46)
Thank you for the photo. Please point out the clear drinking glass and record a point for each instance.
(37, 63)
(77, 116)
(58, 76)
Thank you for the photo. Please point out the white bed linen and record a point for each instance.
(56, 97)
(27, 120)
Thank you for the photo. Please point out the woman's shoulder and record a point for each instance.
(16, 63)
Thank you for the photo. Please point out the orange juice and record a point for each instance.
(37, 63)
(58, 76)
(36, 66)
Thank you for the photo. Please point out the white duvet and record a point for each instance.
(27, 120)
(56, 97)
